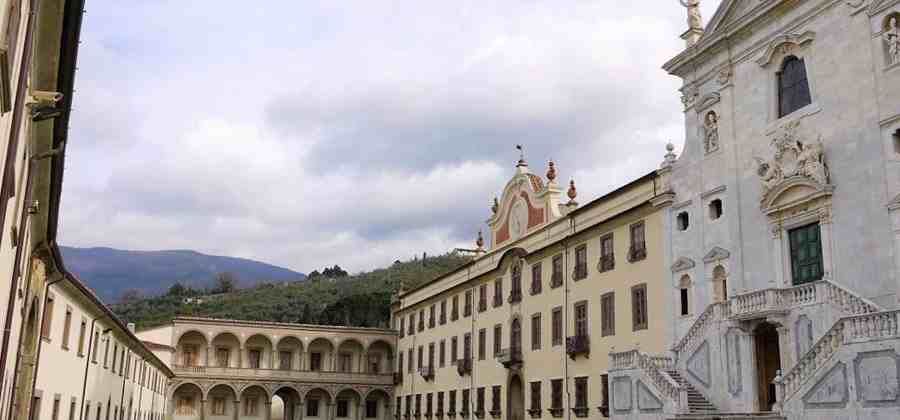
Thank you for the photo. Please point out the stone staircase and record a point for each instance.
(697, 403)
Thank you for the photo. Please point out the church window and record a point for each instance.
(720, 284)
(683, 221)
(793, 86)
(684, 290)
(806, 254)
(715, 209)
(639, 307)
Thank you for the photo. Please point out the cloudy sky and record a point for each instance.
(306, 133)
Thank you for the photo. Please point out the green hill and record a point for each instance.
(358, 300)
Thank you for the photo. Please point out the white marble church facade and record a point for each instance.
(783, 218)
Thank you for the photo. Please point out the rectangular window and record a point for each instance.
(440, 403)
(418, 404)
(454, 308)
(515, 284)
(420, 354)
(482, 298)
(222, 357)
(467, 346)
(453, 345)
(536, 282)
(371, 409)
(465, 402)
(580, 262)
(498, 339)
(498, 292)
(683, 295)
(556, 279)
(443, 317)
(408, 405)
(402, 327)
(284, 360)
(429, 407)
(607, 253)
(608, 314)
(400, 363)
(556, 326)
(421, 320)
(81, 335)
(581, 319)
(604, 395)
(451, 401)
(410, 368)
(315, 362)
(806, 254)
(535, 397)
(556, 394)
(479, 400)
(106, 355)
(442, 353)
(54, 413)
(639, 307)
(495, 398)
(482, 344)
(255, 355)
(343, 408)
(431, 316)
(467, 309)
(536, 331)
(374, 365)
(638, 249)
(218, 406)
(47, 322)
(312, 408)
(431, 355)
(581, 392)
(67, 327)
(412, 324)
(345, 362)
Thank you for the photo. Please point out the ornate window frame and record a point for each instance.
(797, 45)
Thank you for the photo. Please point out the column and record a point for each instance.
(785, 347)
(237, 409)
(203, 409)
(298, 411)
(208, 353)
(240, 357)
(361, 410)
(329, 410)
(267, 415)
(388, 410)
(302, 364)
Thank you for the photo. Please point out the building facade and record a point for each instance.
(782, 218)
(229, 369)
(525, 328)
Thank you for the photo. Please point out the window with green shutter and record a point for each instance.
(806, 254)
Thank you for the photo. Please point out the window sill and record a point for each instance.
(556, 412)
(581, 411)
(535, 413)
(811, 109)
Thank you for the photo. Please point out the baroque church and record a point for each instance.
(782, 218)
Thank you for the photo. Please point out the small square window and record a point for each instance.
(715, 209)
(683, 221)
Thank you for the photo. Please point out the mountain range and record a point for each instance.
(110, 272)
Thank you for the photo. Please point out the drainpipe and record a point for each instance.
(87, 364)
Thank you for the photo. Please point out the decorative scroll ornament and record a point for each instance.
(792, 158)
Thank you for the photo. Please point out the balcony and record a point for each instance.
(482, 305)
(580, 272)
(398, 378)
(515, 296)
(286, 375)
(498, 301)
(578, 345)
(464, 366)
(510, 358)
(535, 413)
(556, 280)
(556, 412)
(607, 263)
(637, 253)
(427, 372)
(580, 412)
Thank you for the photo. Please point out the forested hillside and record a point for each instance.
(359, 300)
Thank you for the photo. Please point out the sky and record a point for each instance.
(307, 134)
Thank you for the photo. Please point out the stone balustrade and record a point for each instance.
(284, 374)
(654, 367)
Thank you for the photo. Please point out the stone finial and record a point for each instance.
(572, 193)
(480, 241)
(521, 162)
(496, 206)
(670, 156)
(551, 171)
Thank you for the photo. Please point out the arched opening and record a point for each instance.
(220, 402)
(346, 404)
(348, 356)
(186, 402)
(191, 350)
(318, 401)
(684, 293)
(285, 404)
(720, 284)
(380, 356)
(289, 350)
(515, 399)
(320, 355)
(226, 347)
(254, 401)
(715, 209)
(768, 363)
(377, 406)
(259, 352)
(683, 221)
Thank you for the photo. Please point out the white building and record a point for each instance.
(783, 224)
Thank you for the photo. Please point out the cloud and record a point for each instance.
(308, 134)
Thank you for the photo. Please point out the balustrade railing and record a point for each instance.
(262, 373)
(698, 329)
(855, 328)
(655, 368)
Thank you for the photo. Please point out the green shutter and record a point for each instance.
(806, 254)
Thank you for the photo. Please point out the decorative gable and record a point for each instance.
(682, 263)
(527, 203)
(716, 254)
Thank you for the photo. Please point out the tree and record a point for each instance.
(130, 296)
(314, 276)
(225, 282)
(177, 289)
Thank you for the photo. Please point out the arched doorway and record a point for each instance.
(768, 362)
(515, 399)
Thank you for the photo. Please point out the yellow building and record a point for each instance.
(527, 326)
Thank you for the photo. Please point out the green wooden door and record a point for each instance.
(806, 254)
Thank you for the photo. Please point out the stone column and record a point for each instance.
(240, 357)
(784, 347)
(361, 410)
(208, 353)
(267, 414)
(329, 411)
(237, 409)
(298, 411)
(203, 409)
(302, 364)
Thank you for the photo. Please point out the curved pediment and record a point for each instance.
(716, 254)
(707, 101)
(793, 192)
(784, 43)
(682, 264)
